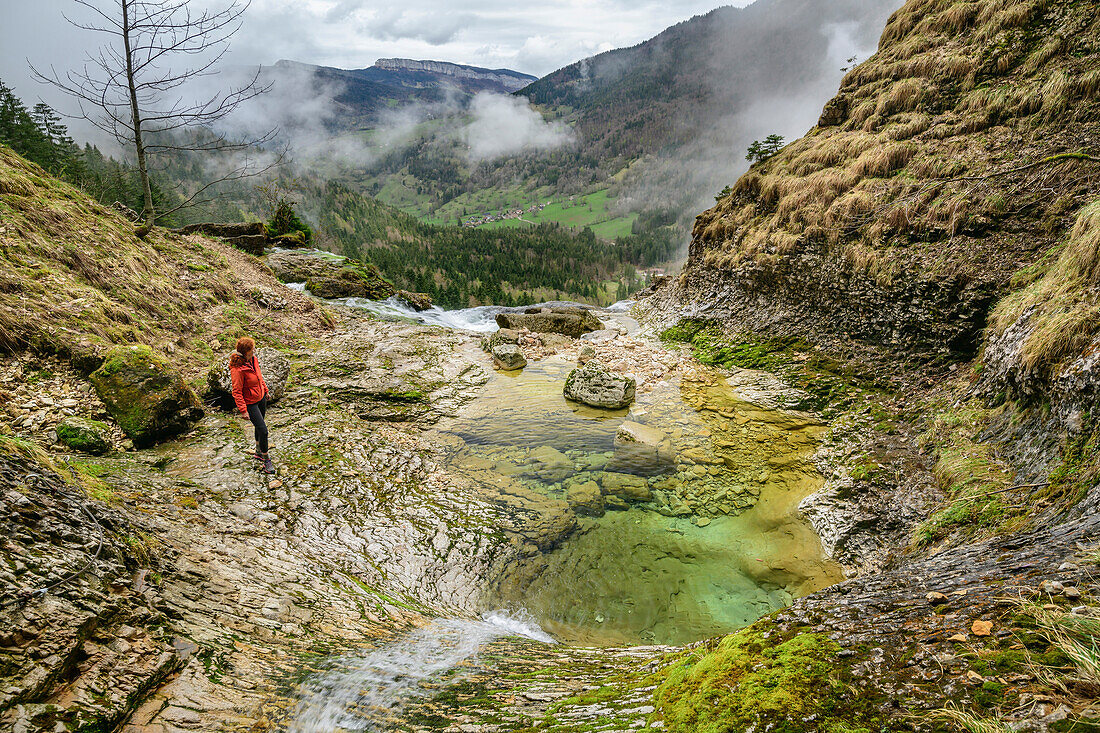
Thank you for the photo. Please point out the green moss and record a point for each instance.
(753, 681)
(1078, 471)
(147, 399)
(86, 436)
(411, 396)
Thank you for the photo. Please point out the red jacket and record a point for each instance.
(248, 384)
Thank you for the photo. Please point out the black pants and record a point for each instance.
(256, 412)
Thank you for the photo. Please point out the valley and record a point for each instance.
(838, 473)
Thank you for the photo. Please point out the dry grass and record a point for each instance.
(910, 128)
(884, 160)
(1064, 305)
(964, 721)
(1089, 84)
(76, 278)
(915, 115)
(1042, 55)
(904, 96)
(1075, 635)
(1056, 94)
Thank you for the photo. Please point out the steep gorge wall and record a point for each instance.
(942, 168)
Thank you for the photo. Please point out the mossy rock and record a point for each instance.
(86, 436)
(351, 282)
(148, 400)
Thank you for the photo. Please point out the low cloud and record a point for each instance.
(504, 125)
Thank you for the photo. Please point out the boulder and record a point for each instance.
(248, 236)
(416, 301)
(596, 385)
(234, 229)
(572, 322)
(148, 400)
(508, 357)
(253, 244)
(498, 337)
(329, 276)
(585, 499)
(273, 365)
(86, 436)
(626, 486)
(641, 447)
(350, 282)
(550, 457)
(290, 240)
(604, 334)
(586, 354)
(615, 503)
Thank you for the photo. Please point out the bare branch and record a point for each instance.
(126, 88)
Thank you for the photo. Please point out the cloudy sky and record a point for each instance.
(534, 37)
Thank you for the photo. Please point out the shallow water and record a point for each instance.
(719, 545)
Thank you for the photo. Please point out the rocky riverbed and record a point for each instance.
(179, 589)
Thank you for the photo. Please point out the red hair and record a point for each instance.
(244, 346)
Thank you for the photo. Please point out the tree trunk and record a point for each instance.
(143, 170)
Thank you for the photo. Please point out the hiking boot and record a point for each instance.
(269, 467)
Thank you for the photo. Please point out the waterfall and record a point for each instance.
(366, 692)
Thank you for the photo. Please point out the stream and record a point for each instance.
(368, 692)
(694, 535)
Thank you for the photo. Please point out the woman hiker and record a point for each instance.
(250, 394)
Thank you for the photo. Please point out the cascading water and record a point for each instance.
(366, 693)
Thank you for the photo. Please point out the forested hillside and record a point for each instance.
(460, 266)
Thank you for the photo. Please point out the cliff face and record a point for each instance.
(938, 172)
(507, 79)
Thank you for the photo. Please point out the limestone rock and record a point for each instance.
(555, 341)
(642, 447)
(416, 301)
(596, 385)
(329, 276)
(572, 322)
(86, 436)
(585, 499)
(148, 400)
(273, 365)
(603, 334)
(586, 354)
(508, 357)
(626, 486)
(499, 337)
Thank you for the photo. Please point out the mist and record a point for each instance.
(776, 101)
(506, 125)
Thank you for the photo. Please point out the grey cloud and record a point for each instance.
(434, 28)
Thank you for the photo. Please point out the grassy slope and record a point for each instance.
(958, 89)
(74, 278)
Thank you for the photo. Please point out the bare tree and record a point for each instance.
(139, 86)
